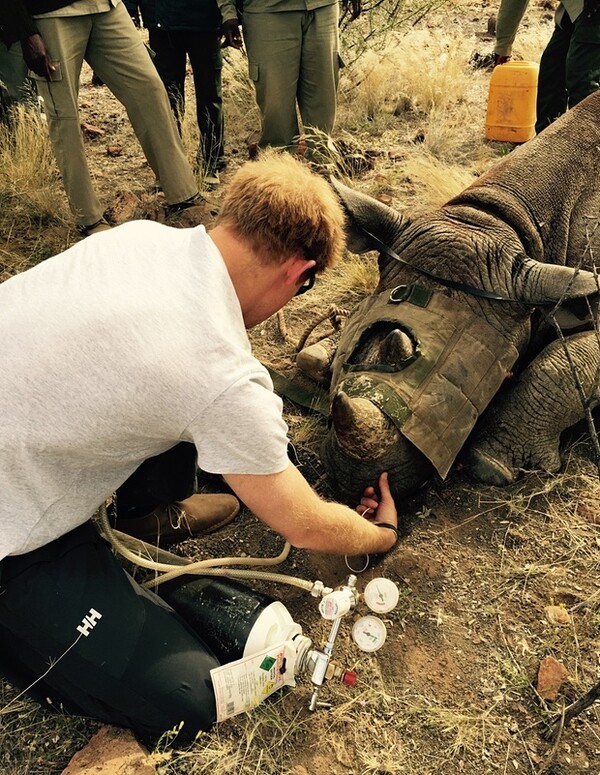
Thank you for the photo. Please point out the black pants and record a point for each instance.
(118, 652)
(204, 52)
(570, 66)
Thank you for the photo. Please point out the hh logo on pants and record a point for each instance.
(89, 622)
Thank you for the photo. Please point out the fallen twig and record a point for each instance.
(568, 714)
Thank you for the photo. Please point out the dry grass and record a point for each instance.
(532, 37)
(29, 172)
(32, 219)
(241, 112)
(419, 71)
(433, 181)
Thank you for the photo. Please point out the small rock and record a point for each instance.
(556, 614)
(191, 216)
(114, 150)
(92, 131)
(589, 510)
(551, 676)
(126, 206)
(385, 199)
(111, 751)
(482, 61)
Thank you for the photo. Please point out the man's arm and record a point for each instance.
(288, 504)
(37, 57)
(231, 23)
(510, 14)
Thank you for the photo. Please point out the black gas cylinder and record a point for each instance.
(222, 611)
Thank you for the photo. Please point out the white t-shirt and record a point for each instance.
(112, 352)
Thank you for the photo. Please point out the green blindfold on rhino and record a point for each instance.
(435, 368)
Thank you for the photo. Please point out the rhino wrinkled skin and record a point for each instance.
(523, 230)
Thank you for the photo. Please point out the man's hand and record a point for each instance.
(288, 504)
(231, 31)
(353, 7)
(379, 508)
(36, 56)
(501, 59)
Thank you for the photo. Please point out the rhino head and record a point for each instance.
(418, 363)
(365, 435)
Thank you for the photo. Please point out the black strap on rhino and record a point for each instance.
(435, 396)
(455, 284)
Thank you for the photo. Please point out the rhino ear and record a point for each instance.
(535, 283)
(365, 214)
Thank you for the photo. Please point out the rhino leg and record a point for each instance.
(522, 428)
(315, 360)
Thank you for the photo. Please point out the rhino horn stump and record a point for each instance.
(362, 430)
(396, 347)
(362, 443)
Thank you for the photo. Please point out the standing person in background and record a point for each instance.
(16, 25)
(101, 33)
(190, 28)
(15, 86)
(570, 64)
(293, 60)
(179, 29)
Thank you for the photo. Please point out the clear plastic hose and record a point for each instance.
(173, 566)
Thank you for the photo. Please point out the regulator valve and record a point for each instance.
(381, 595)
(332, 607)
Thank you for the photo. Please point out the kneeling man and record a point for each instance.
(126, 363)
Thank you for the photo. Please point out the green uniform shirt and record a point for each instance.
(80, 8)
(510, 14)
(228, 7)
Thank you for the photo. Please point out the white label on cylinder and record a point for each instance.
(242, 685)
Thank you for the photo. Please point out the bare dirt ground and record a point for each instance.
(483, 572)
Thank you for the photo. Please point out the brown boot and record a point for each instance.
(195, 516)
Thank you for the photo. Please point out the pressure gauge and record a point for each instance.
(381, 595)
(369, 633)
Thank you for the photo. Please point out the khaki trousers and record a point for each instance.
(112, 46)
(293, 58)
(15, 86)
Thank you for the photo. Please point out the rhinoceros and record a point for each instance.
(424, 371)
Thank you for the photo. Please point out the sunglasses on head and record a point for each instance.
(308, 283)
